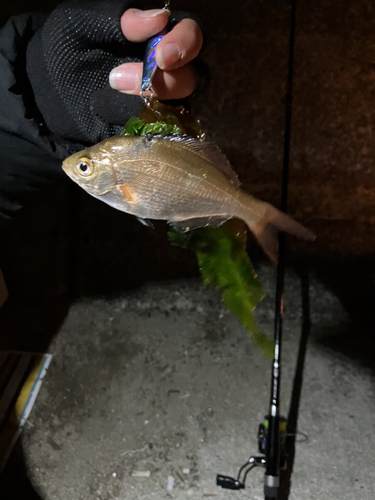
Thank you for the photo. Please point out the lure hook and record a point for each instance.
(147, 95)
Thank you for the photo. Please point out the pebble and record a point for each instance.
(170, 483)
(141, 473)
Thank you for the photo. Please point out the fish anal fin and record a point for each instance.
(183, 226)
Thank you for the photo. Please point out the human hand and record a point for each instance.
(71, 56)
(175, 77)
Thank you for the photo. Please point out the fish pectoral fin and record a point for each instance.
(183, 226)
(140, 188)
(127, 193)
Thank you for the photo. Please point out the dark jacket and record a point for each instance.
(29, 159)
(54, 92)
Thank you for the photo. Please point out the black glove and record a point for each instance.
(68, 63)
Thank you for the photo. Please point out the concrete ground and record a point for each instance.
(151, 377)
(163, 381)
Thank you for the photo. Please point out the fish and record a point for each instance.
(179, 179)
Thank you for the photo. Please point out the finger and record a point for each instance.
(138, 25)
(180, 46)
(175, 84)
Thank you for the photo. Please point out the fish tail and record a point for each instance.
(266, 222)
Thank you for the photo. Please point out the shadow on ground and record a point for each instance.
(351, 279)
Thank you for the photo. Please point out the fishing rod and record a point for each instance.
(272, 432)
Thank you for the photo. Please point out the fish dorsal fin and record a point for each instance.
(207, 150)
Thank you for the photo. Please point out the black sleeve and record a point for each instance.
(25, 153)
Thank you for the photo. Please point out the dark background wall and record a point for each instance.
(65, 241)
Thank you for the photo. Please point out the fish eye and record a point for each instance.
(84, 167)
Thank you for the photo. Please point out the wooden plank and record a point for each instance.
(14, 385)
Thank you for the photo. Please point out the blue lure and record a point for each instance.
(149, 63)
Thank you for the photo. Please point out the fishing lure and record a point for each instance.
(150, 64)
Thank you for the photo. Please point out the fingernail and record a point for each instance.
(124, 79)
(151, 13)
(168, 54)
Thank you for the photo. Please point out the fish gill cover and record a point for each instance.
(221, 252)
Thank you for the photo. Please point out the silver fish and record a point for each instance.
(184, 181)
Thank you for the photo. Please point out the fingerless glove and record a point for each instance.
(68, 63)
